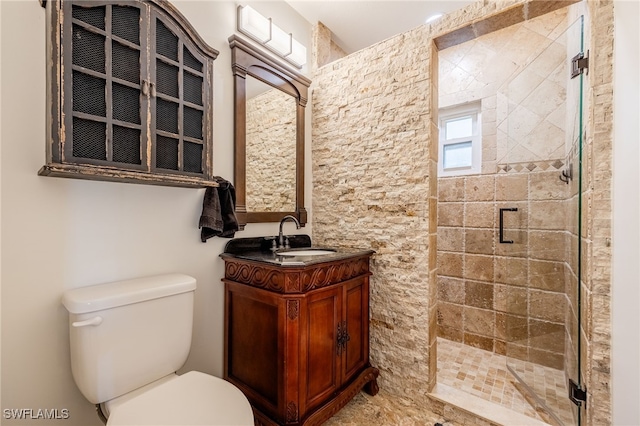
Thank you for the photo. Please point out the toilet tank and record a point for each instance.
(127, 334)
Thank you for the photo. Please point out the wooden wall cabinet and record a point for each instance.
(130, 94)
(297, 338)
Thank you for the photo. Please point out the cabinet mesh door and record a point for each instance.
(106, 93)
(179, 104)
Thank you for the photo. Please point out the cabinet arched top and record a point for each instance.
(185, 26)
(179, 18)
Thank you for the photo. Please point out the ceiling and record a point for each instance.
(358, 24)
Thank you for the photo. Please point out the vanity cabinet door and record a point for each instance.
(254, 345)
(321, 372)
(336, 339)
(179, 101)
(356, 319)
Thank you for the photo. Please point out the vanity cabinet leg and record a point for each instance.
(371, 387)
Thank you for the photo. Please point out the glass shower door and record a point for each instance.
(539, 149)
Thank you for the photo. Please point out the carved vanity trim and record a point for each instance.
(276, 279)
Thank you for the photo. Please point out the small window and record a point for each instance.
(460, 141)
(457, 155)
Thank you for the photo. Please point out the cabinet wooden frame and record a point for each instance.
(61, 161)
(297, 339)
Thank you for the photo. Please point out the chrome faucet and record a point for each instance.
(281, 243)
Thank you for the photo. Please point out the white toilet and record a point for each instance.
(128, 338)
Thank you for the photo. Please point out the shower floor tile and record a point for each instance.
(484, 374)
(549, 382)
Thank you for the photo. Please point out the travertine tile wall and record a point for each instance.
(271, 147)
(374, 187)
(505, 298)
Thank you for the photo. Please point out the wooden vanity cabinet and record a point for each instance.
(297, 339)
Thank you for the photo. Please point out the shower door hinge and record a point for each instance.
(577, 395)
(579, 64)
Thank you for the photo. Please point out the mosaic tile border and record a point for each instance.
(531, 166)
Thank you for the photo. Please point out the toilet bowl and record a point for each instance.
(127, 340)
(193, 398)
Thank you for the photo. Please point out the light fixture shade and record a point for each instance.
(298, 54)
(253, 24)
(280, 40)
(262, 30)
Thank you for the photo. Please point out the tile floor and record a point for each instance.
(481, 373)
(550, 384)
(383, 409)
(477, 372)
(484, 374)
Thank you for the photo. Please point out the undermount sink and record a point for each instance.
(305, 252)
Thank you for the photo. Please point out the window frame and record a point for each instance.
(472, 110)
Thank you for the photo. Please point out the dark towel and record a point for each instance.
(219, 211)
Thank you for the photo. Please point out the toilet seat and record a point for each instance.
(193, 398)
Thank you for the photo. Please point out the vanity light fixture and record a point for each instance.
(274, 38)
(254, 24)
(280, 41)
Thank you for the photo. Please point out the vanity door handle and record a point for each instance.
(510, 209)
(343, 337)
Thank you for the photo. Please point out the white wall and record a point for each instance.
(59, 234)
(626, 216)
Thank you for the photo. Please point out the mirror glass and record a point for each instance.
(270, 148)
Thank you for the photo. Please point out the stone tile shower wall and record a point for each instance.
(509, 298)
(505, 298)
(271, 147)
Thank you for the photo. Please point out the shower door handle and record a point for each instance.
(510, 209)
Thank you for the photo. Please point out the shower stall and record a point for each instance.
(543, 135)
(509, 237)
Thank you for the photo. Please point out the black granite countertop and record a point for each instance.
(258, 249)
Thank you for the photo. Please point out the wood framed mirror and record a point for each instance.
(269, 115)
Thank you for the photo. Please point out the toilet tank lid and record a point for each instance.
(110, 295)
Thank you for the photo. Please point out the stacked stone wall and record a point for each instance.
(372, 177)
